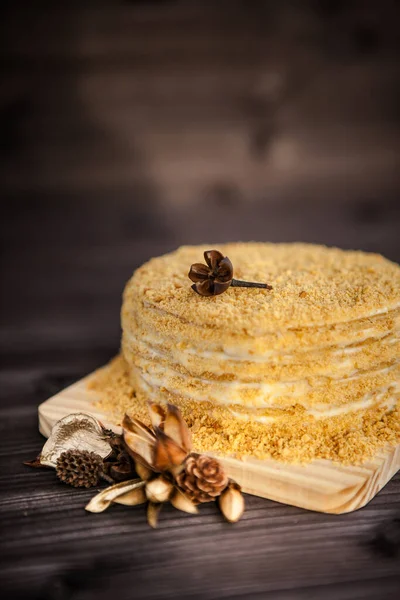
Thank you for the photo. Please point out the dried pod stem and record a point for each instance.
(250, 284)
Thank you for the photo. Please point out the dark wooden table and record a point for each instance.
(126, 129)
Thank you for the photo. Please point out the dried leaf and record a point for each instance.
(157, 414)
(134, 497)
(181, 502)
(102, 501)
(78, 431)
(153, 510)
(175, 427)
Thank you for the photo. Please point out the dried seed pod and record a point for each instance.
(217, 276)
(77, 431)
(231, 502)
(153, 511)
(79, 468)
(102, 501)
(159, 489)
(181, 502)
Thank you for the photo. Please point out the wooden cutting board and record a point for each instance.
(321, 485)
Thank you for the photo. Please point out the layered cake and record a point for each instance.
(306, 370)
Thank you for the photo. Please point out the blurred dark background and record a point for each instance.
(128, 128)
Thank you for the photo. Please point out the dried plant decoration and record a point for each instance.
(102, 501)
(81, 468)
(216, 276)
(153, 510)
(163, 448)
(231, 502)
(82, 453)
(203, 479)
(169, 471)
(77, 431)
(118, 465)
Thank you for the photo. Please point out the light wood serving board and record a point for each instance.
(321, 485)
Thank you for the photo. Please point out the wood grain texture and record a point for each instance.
(139, 126)
(322, 485)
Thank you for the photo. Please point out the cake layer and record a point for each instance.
(312, 285)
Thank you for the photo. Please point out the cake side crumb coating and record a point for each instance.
(348, 439)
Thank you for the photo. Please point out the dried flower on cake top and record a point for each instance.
(216, 276)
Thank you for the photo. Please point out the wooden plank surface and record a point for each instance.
(141, 126)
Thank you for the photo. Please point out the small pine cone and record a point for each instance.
(203, 478)
(79, 468)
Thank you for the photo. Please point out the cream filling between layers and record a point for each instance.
(227, 393)
(374, 398)
(151, 344)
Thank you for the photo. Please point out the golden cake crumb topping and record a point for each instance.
(312, 285)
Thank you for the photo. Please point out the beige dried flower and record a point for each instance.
(163, 448)
(168, 470)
